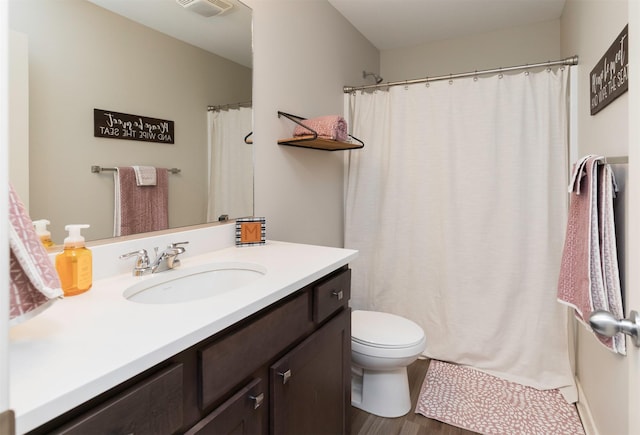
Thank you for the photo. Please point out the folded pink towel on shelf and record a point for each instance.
(589, 275)
(332, 127)
(139, 209)
(33, 281)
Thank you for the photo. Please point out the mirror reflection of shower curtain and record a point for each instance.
(230, 175)
(457, 205)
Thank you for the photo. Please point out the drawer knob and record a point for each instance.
(257, 400)
(285, 376)
(338, 294)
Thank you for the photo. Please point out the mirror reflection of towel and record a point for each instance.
(139, 209)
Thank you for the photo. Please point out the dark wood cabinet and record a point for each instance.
(309, 386)
(283, 370)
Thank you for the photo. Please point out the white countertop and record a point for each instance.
(86, 344)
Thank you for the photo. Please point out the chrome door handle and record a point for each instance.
(338, 294)
(605, 324)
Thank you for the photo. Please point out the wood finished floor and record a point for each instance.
(363, 423)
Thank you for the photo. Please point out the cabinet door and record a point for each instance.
(242, 414)
(310, 386)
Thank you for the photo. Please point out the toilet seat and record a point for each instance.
(385, 335)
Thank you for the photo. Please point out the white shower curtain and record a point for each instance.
(457, 204)
(230, 175)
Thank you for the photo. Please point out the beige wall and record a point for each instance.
(588, 29)
(300, 67)
(19, 114)
(82, 57)
(514, 46)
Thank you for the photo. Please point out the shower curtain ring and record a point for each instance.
(500, 75)
(475, 76)
(450, 79)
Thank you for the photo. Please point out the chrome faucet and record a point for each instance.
(167, 259)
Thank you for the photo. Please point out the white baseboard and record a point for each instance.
(585, 412)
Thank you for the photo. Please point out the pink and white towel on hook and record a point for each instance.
(589, 275)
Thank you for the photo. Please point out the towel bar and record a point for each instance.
(97, 169)
(616, 160)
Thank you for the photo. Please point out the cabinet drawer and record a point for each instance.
(227, 362)
(150, 407)
(331, 295)
(242, 414)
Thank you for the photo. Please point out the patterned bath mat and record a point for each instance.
(473, 400)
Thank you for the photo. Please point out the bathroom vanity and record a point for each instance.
(272, 357)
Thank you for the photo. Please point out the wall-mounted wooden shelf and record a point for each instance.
(314, 142)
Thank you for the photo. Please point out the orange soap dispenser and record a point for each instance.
(75, 263)
(42, 232)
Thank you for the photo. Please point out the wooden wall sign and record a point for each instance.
(115, 125)
(609, 78)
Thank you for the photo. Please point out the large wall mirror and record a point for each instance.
(151, 58)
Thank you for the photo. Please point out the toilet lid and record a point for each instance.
(378, 329)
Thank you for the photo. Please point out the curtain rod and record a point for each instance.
(573, 60)
(228, 106)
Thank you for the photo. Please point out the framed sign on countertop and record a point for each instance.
(250, 231)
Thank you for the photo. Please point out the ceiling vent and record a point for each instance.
(206, 8)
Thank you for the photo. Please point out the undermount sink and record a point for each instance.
(198, 282)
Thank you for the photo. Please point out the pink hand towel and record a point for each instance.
(139, 209)
(33, 284)
(332, 127)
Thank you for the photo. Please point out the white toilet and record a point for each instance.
(382, 346)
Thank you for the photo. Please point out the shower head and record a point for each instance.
(377, 78)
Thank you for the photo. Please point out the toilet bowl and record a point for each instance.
(382, 346)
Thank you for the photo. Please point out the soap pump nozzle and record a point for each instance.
(74, 239)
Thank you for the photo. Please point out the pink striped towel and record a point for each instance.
(33, 281)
